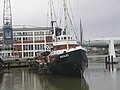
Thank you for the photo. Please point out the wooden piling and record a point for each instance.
(109, 62)
(8, 65)
(106, 62)
(112, 63)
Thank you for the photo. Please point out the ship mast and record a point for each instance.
(81, 33)
(51, 19)
(65, 22)
(51, 12)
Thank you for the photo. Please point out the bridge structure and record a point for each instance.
(106, 42)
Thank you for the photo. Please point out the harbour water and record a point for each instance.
(96, 77)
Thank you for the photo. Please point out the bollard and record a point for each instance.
(41, 69)
(8, 65)
(29, 64)
(109, 62)
(112, 62)
(108, 59)
(106, 62)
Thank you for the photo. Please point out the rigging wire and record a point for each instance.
(75, 29)
(81, 32)
(54, 13)
(72, 25)
(48, 14)
(60, 22)
(51, 10)
(51, 15)
(60, 14)
(77, 15)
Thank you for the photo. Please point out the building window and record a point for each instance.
(48, 32)
(17, 38)
(27, 47)
(58, 38)
(36, 53)
(39, 33)
(29, 33)
(64, 38)
(36, 33)
(68, 38)
(42, 46)
(18, 33)
(39, 47)
(36, 38)
(24, 33)
(14, 33)
(31, 54)
(25, 54)
(27, 38)
(28, 54)
(42, 33)
(30, 47)
(39, 38)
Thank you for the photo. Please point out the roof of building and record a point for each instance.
(27, 27)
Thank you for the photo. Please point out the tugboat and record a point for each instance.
(64, 61)
(68, 57)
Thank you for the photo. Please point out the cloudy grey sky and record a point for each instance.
(100, 18)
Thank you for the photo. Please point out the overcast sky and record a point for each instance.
(100, 18)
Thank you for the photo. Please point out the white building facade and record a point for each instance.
(29, 41)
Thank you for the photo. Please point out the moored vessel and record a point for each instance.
(69, 62)
(67, 57)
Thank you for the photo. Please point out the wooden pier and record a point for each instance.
(14, 63)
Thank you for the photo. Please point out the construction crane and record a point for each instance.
(7, 29)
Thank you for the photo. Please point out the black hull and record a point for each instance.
(1, 67)
(70, 64)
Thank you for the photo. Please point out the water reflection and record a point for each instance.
(99, 77)
(23, 79)
(1, 79)
(63, 83)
